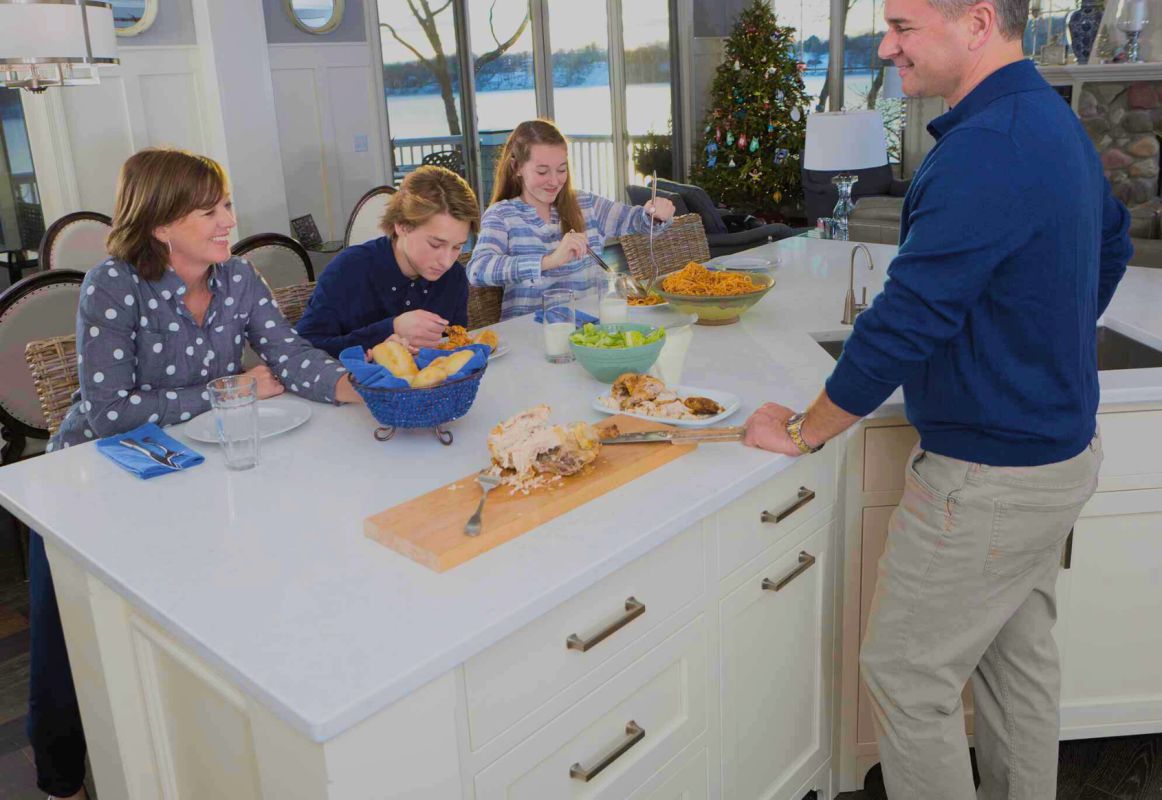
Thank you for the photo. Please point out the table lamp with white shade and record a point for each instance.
(843, 141)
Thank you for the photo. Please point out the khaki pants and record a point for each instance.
(966, 591)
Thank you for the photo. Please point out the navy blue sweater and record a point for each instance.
(361, 292)
(1011, 248)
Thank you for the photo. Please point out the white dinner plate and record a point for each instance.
(275, 415)
(728, 400)
(740, 262)
(499, 351)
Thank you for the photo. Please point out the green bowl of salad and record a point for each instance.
(608, 351)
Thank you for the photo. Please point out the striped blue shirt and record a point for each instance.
(513, 240)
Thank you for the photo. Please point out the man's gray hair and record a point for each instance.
(1012, 15)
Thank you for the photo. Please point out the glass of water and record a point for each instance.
(234, 399)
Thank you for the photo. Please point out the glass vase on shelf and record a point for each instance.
(1132, 19)
(1034, 14)
(843, 206)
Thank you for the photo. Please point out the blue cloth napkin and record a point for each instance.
(140, 465)
(582, 317)
(375, 376)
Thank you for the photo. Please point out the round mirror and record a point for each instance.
(131, 17)
(315, 16)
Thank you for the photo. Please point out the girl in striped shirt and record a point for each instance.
(533, 235)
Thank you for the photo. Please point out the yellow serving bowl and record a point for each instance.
(721, 309)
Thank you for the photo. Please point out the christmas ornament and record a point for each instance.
(802, 66)
(796, 115)
(742, 141)
(778, 196)
(770, 71)
(738, 66)
(718, 134)
(729, 138)
(781, 155)
(770, 127)
(780, 96)
(755, 175)
(732, 165)
(754, 144)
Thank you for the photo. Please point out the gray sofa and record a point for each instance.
(877, 219)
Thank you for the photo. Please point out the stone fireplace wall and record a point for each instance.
(1124, 120)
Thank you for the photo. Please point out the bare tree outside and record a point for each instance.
(439, 64)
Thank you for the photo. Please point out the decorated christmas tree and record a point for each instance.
(752, 138)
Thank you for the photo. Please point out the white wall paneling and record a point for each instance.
(81, 135)
(328, 124)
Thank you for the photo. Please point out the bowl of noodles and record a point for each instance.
(716, 297)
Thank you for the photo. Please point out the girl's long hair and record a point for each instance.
(517, 150)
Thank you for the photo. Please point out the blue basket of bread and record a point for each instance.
(427, 390)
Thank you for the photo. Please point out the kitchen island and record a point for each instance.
(234, 634)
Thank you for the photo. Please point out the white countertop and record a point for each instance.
(268, 576)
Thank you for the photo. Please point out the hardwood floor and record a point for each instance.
(1127, 768)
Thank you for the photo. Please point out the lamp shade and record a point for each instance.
(842, 140)
(55, 43)
(893, 88)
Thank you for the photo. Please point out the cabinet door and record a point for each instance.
(776, 673)
(873, 539)
(1113, 642)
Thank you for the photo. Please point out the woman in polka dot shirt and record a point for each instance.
(166, 313)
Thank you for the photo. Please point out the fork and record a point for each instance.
(630, 281)
(487, 484)
(167, 454)
(653, 221)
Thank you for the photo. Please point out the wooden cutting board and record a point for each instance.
(430, 528)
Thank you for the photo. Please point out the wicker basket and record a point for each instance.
(420, 408)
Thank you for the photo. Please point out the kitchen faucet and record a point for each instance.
(850, 307)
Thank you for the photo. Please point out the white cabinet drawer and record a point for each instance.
(885, 454)
(689, 779)
(1132, 449)
(521, 672)
(633, 725)
(765, 515)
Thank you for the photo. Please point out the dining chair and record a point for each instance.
(292, 300)
(53, 363)
(279, 259)
(682, 242)
(40, 306)
(364, 222)
(448, 159)
(75, 241)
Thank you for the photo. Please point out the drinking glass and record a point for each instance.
(672, 357)
(613, 303)
(234, 399)
(560, 320)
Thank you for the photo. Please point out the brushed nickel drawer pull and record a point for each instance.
(805, 562)
(633, 609)
(805, 496)
(633, 734)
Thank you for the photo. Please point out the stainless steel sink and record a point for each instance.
(833, 348)
(1114, 351)
(1118, 351)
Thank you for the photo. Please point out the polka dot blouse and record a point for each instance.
(141, 357)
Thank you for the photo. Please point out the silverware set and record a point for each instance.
(150, 448)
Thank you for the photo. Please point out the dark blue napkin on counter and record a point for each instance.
(141, 465)
(582, 317)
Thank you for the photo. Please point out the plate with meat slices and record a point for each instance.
(684, 406)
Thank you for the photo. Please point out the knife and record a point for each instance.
(133, 444)
(680, 436)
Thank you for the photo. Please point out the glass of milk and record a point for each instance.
(560, 320)
(672, 358)
(613, 305)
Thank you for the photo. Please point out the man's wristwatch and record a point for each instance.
(794, 430)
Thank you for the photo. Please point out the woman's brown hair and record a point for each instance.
(159, 186)
(429, 191)
(517, 150)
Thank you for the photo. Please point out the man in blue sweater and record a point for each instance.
(1011, 248)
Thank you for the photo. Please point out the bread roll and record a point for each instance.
(396, 358)
(489, 338)
(455, 362)
(431, 375)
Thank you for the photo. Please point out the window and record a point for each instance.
(21, 220)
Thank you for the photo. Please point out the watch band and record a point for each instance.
(794, 430)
